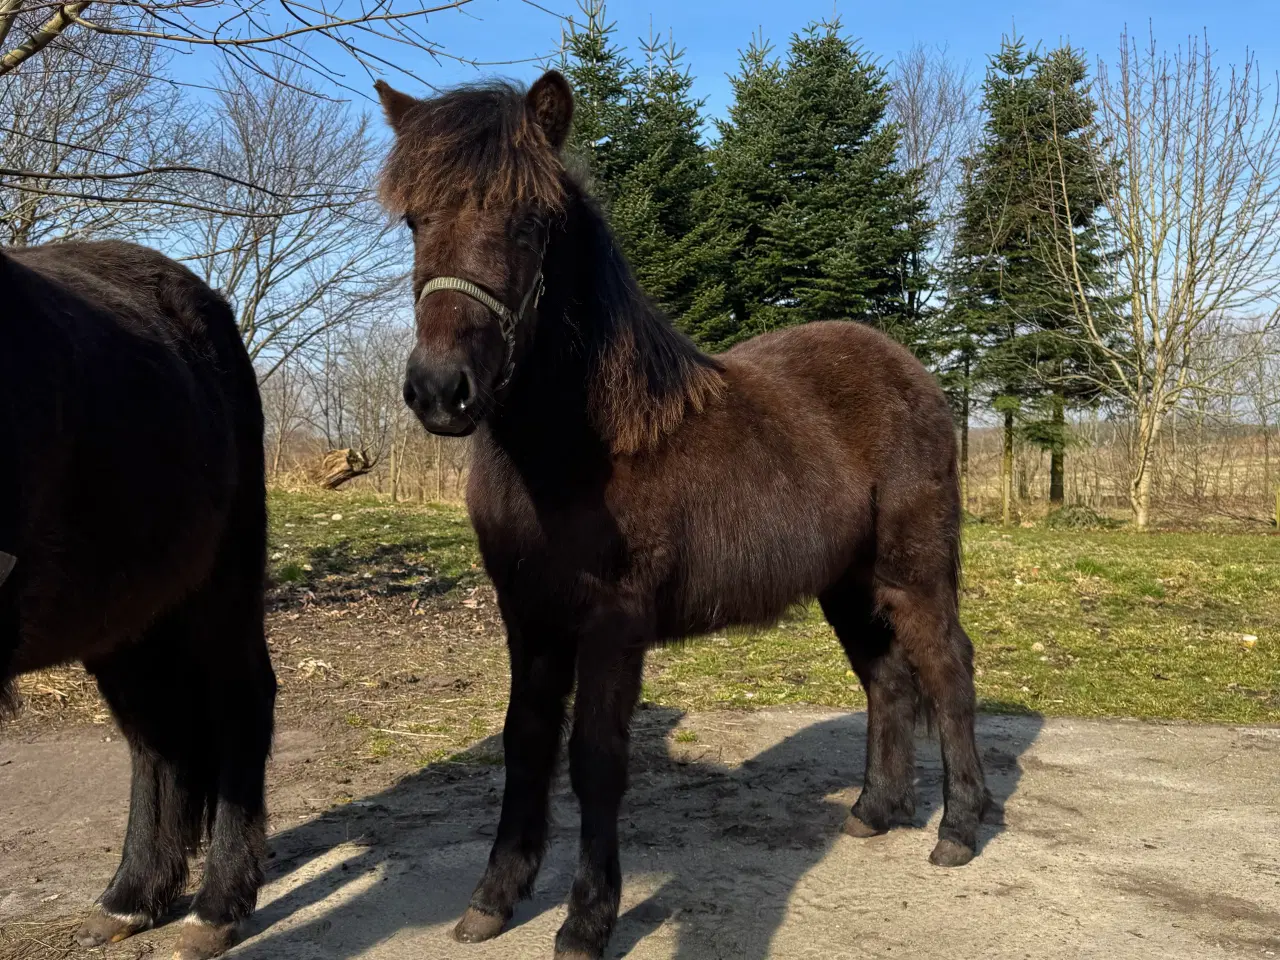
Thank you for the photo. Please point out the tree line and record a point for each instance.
(1085, 253)
(1055, 243)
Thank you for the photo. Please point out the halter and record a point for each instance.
(508, 319)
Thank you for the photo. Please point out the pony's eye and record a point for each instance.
(528, 229)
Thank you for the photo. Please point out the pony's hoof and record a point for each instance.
(202, 941)
(857, 828)
(102, 927)
(948, 853)
(477, 926)
(573, 955)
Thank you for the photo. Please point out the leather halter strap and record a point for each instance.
(508, 319)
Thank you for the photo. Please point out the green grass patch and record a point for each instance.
(347, 538)
(1069, 622)
(1082, 622)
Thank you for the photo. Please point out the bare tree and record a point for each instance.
(356, 376)
(249, 33)
(314, 249)
(935, 107)
(1191, 187)
(90, 110)
(135, 176)
(1260, 382)
(284, 409)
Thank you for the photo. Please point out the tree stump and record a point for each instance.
(339, 466)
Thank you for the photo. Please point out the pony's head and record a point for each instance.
(477, 176)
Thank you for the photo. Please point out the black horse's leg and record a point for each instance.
(925, 621)
(232, 652)
(610, 664)
(541, 678)
(888, 785)
(157, 697)
(242, 690)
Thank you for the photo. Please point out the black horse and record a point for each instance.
(629, 490)
(133, 515)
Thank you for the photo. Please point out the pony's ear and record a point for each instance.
(394, 103)
(550, 100)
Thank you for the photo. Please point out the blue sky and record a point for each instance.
(713, 31)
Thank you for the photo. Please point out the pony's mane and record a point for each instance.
(645, 375)
(475, 144)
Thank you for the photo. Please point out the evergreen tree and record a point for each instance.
(807, 195)
(1011, 313)
(658, 199)
(638, 130)
(598, 71)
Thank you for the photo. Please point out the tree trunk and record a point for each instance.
(1057, 453)
(1142, 501)
(395, 476)
(1006, 472)
(339, 466)
(1266, 462)
(1140, 485)
(439, 469)
(964, 440)
(279, 452)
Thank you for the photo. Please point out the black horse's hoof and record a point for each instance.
(948, 853)
(476, 926)
(855, 827)
(102, 927)
(574, 955)
(203, 941)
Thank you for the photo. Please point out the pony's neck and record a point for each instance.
(605, 367)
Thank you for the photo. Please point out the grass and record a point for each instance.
(1096, 623)
(325, 537)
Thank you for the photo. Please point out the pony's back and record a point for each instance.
(129, 408)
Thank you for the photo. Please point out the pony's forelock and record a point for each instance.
(476, 144)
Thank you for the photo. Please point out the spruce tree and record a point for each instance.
(598, 70)
(1011, 314)
(638, 131)
(657, 200)
(807, 193)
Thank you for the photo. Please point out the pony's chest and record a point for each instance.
(545, 547)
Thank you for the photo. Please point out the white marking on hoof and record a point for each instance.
(142, 921)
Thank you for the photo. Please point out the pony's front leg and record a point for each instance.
(610, 663)
(541, 678)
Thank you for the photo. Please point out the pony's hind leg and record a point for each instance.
(155, 693)
(888, 785)
(541, 678)
(242, 689)
(926, 623)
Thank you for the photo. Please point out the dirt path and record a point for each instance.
(1120, 840)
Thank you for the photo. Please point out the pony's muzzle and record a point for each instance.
(443, 396)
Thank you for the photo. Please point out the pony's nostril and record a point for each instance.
(410, 396)
(463, 392)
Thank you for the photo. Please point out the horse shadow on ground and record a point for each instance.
(721, 845)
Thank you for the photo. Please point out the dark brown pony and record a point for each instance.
(133, 500)
(628, 490)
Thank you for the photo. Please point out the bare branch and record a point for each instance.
(50, 29)
(258, 40)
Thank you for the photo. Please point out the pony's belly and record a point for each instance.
(751, 588)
